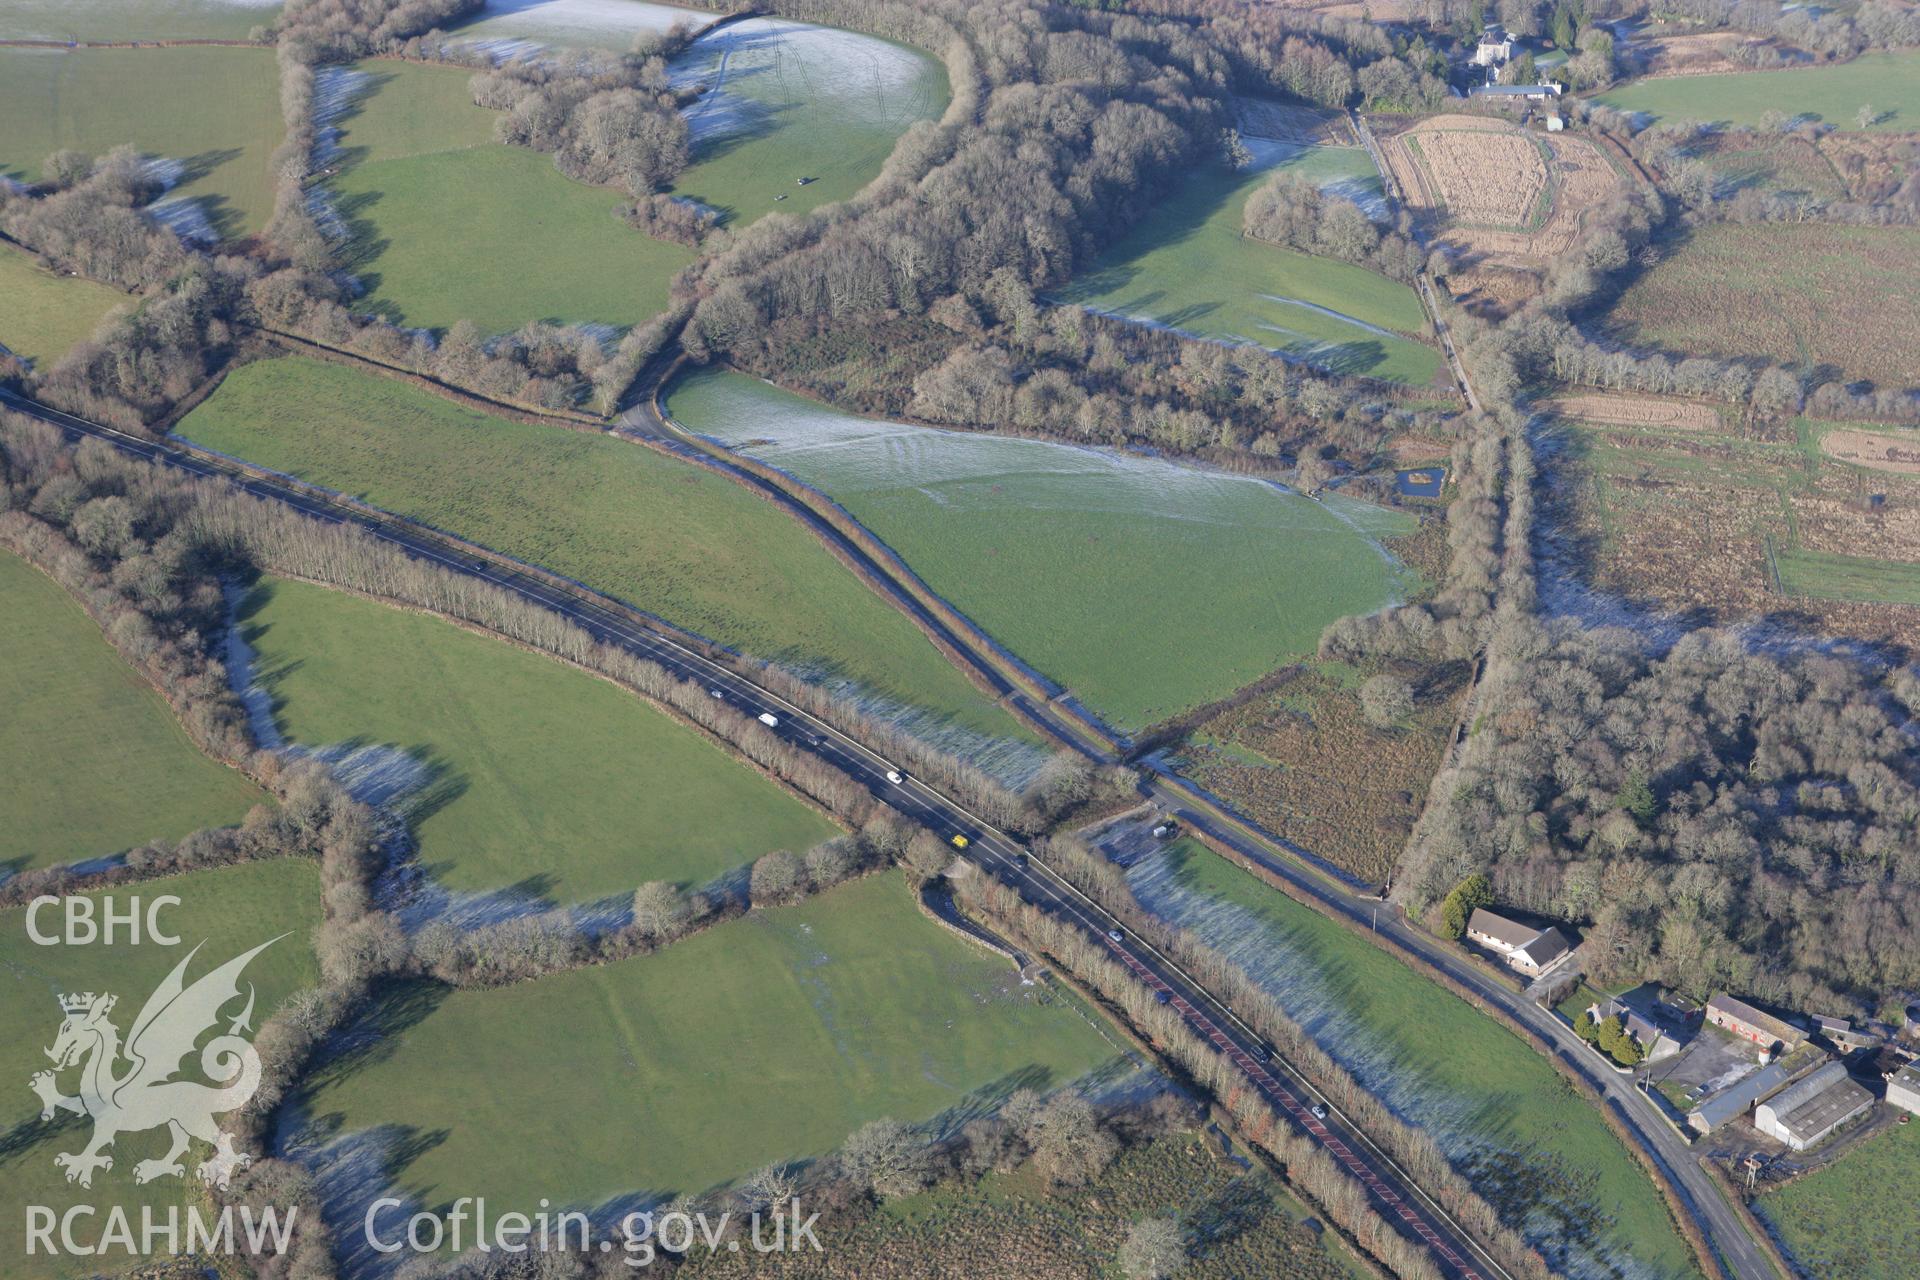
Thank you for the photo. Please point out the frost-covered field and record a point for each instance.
(134, 19)
(507, 27)
(1143, 585)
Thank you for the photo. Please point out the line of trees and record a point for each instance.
(318, 31)
(607, 119)
(1291, 209)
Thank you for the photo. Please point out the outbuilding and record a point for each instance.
(1903, 1088)
(1804, 1113)
(1750, 1023)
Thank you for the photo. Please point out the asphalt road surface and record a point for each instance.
(1402, 1202)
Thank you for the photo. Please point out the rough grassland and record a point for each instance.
(92, 760)
(1143, 586)
(770, 1037)
(47, 313)
(798, 101)
(134, 19)
(450, 225)
(537, 775)
(1889, 82)
(231, 910)
(217, 111)
(1013, 1227)
(1840, 297)
(1533, 1147)
(1855, 1218)
(665, 536)
(1188, 266)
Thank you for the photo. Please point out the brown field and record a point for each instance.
(1698, 54)
(1874, 450)
(1505, 200)
(1843, 299)
(1637, 411)
(1292, 122)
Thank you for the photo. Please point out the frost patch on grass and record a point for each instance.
(1331, 314)
(515, 28)
(756, 69)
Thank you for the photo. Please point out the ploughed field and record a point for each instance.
(47, 313)
(770, 1037)
(1188, 267)
(518, 776)
(92, 760)
(666, 536)
(225, 911)
(210, 117)
(1143, 586)
(1832, 95)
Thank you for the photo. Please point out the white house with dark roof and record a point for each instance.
(1530, 950)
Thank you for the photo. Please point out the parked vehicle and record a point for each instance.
(769, 719)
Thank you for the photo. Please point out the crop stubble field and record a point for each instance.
(663, 535)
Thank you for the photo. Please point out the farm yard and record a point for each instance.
(94, 761)
(1187, 266)
(1076, 558)
(518, 775)
(134, 19)
(1015, 1227)
(1831, 94)
(47, 313)
(1837, 298)
(1745, 522)
(770, 1037)
(213, 114)
(1502, 199)
(787, 102)
(1544, 1159)
(663, 535)
(444, 220)
(230, 910)
(1854, 1218)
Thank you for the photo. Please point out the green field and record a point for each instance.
(134, 19)
(47, 313)
(94, 761)
(1854, 1219)
(1836, 577)
(230, 909)
(663, 535)
(215, 111)
(797, 101)
(1145, 587)
(770, 1037)
(525, 772)
(449, 225)
(1187, 266)
(1889, 82)
(1539, 1152)
(574, 24)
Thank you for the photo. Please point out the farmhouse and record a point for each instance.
(1495, 48)
(1749, 1023)
(1526, 948)
(1802, 1114)
(1903, 1088)
(1636, 1025)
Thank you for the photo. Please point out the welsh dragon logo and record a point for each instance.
(144, 1094)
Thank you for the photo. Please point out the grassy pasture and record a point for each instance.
(1144, 586)
(1855, 1217)
(663, 535)
(134, 19)
(1535, 1149)
(1889, 82)
(575, 24)
(1187, 266)
(1842, 577)
(94, 761)
(47, 313)
(230, 909)
(535, 775)
(1838, 297)
(216, 111)
(792, 100)
(769, 1037)
(450, 225)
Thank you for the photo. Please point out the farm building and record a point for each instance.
(1526, 948)
(1842, 1034)
(1732, 1102)
(1903, 1088)
(1515, 94)
(1802, 1114)
(1495, 48)
(1749, 1023)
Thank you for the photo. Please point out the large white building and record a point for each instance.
(1803, 1113)
(1903, 1088)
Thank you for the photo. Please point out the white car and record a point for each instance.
(896, 777)
(1116, 936)
(716, 693)
(1319, 1112)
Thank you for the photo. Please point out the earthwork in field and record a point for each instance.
(1143, 586)
(229, 910)
(210, 116)
(47, 313)
(519, 778)
(770, 1037)
(666, 536)
(1543, 1157)
(1832, 95)
(92, 760)
(1188, 267)
(109, 20)
(1837, 299)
